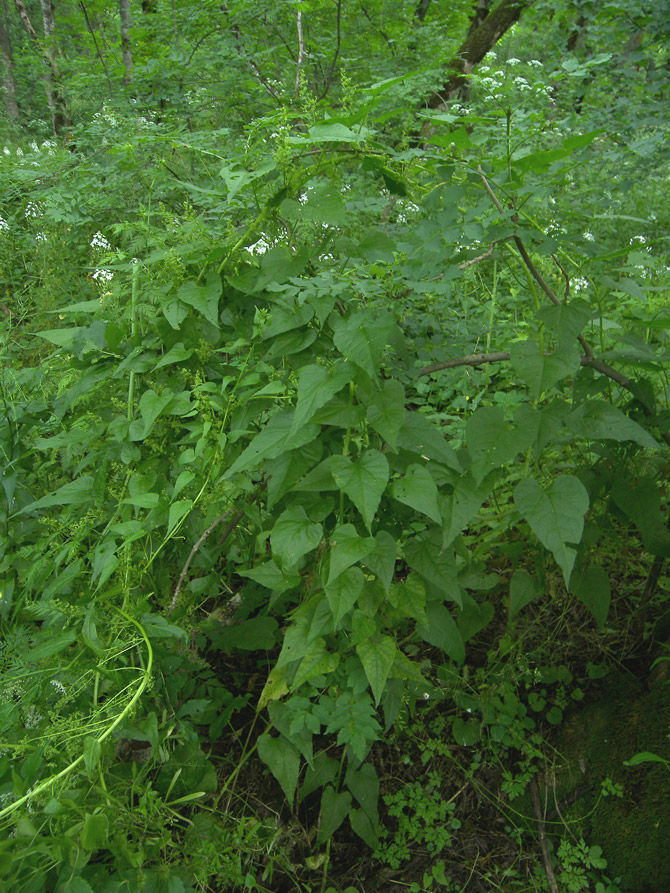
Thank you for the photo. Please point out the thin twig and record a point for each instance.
(544, 845)
(331, 70)
(481, 257)
(301, 53)
(474, 359)
(565, 276)
(97, 48)
(182, 576)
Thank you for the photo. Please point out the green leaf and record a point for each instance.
(177, 354)
(542, 372)
(567, 320)
(362, 825)
(418, 490)
(334, 810)
(318, 479)
(283, 760)
(178, 510)
(382, 560)
(346, 548)
(645, 756)
(459, 508)
(420, 436)
(442, 632)
(89, 632)
(522, 591)
(362, 338)
(386, 411)
(556, 516)
(593, 590)
(466, 733)
(640, 500)
(316, 386)
(92, 752)
(491, 442)
(377, 658)
(363, 481)
(204, 298)
(344, 591)
(364, 785)
(425, 555)
(151, 406)
(255, 634)
(317, 662)
(598, 420)
(336, 133)
(95, 833)
(409, 597)
(294, 535)
(272, 577)
(75, 492)
(276, 437)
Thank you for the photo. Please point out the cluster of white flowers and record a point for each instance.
(588, 235)
(100, 243)
(6, 150)
(259, 247)
(521, 83)
(19, 151)
(41, 237)
(641, 239)
(652, 218)
(33, 717)
(3, 224)
(580, 284)
(33, 210)
(535, 63)
(103, 275)
(513, 61)
(60, 688)
(34, 146)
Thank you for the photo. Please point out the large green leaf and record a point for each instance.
(317, 662)
(334, 810)
(418, 490)
(640, 500)
(556, 515)
(294, 535)
(275, 438)
(386, 411)
(442, 632)
(272, 577)
(593, 590)
(425, 555)
(409, 597)
(343, 592)
(74, 492)
(598, 420)
(377, 657)
(346, 548)
(316, 386)
(382, 560)
(421, 436)
(362, 338)
(491, 442)
(363, 481)
(460, 507)
(283, 760)
(204, 298)
(522, 591)
(542, 372)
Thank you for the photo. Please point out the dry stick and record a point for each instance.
(301, 53)
(539, 824)
(182, 576)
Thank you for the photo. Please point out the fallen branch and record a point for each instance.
(236, 517)
(544, 845)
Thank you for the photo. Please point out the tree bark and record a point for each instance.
(481, 38)
(48, 20)
(124, 10)
(52, 84)
(7, 59)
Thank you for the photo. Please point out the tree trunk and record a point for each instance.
(52, 83)
(7, 61)
(124, 10)
(48, 20)
(482, 37)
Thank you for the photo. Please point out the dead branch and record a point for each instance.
(544, 845)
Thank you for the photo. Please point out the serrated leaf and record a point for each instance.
(316, 386)
(555, 515)
(593, 590)
(92, 750)
(363, 481)
(382, 560)
(336, 132)
(343, 592)
(334, 810)
(418, 490)
(377, 657)
(346, 548)
(204, 298)
(522, 591)
(73, 493)
(294, 535)
(276, 437)
(386, 411)
(283, 760)
(95, 833)
(362, 338)
(317, 662)
(598, 420)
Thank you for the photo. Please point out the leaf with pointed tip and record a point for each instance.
(593, 590)
(381, 561)
(362, 338)
(294, 535)
(346, 548)
(283, 760)
(363, 481)
(556, 516)
(386, 411)
(522, 591)
(418, 490)
(316, 386)
(343, 592)
(275, 438)
(334, 810)
(377, 657)
(204, 298)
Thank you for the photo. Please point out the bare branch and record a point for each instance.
(301, 53)
(544, 846)
(331, 70)
(473, 359)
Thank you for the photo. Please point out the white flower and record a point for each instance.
(103, 275)
(640, 239)
(513, 61)
(588, 235)
(6, 151)
(60, 688)
(34, 146)
(484, 69)
(259, 247)
(521, 83)
(580, 284)
(3, 224)
(535, 63)
(40, 237)
(19, 151)
(100, 243)
(33, 210)
(33, 717)
(653, 218)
